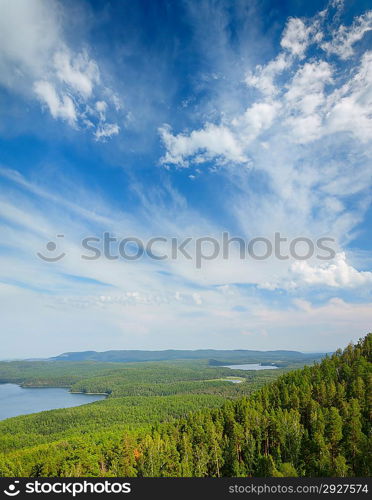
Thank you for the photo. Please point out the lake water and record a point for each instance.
(16, 400)
(251, 366)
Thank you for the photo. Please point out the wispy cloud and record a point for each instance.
(37, 60)
(200, 305)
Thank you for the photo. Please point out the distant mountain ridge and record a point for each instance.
(215, 356)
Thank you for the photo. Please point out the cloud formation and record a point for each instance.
(37, 61)
(314, 99)
(303, 142)
(337, 273)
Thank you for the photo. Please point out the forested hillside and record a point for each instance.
(139, 394)
(219, 357)
(310, 422)
(135, 379)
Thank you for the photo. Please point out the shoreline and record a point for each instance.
(90, 393)
(56, 387)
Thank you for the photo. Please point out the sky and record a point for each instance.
(183, 119)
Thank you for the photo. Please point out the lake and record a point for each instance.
(251, 366)
(16, 400)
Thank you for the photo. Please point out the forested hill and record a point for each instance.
(217, 357)
(310, 422)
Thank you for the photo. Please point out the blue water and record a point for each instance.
(251, 366)
(16, 400)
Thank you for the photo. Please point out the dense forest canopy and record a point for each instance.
(315, 421)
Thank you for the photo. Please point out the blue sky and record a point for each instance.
(184, 119)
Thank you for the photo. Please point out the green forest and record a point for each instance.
(172, 419)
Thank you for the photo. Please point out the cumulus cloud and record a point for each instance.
(295, 37)
(306, 136)
(210, 143)
(263, 77)
(337, 273)
(316, 98)
(256, 119)
(36, 61)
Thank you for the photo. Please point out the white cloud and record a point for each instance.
(78, 72)
(315, 98)
(263, 77)
(59, 107)
(336, 273)
(311, 105)
(350, 107)
(36, 61)
(106, 130)
(30, 31)
(304, 100)
(101, 106)
(345, 37)
(296, 37)
(213, 142)
(305, 91)
(256, 119)
(223, 143)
